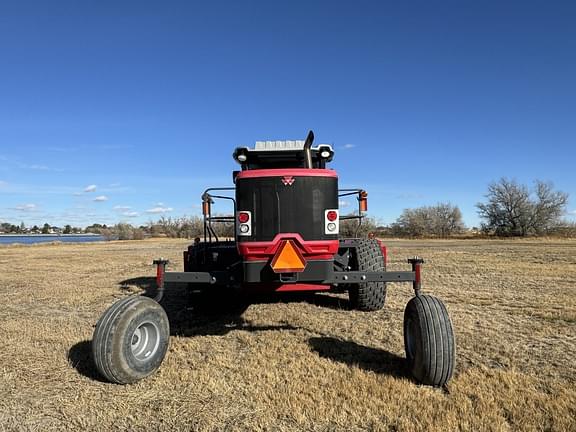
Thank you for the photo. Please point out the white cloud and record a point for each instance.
(77, 193)
(38, 167)
(100, 198)
(122, 208)
(3, 184)
(130, 214)
(26, 207)
(91, 188)
(343, 203)
(159, 209)
(62, 149)
(37, 189)
(410, 196)
(348, 146)
(113, 147)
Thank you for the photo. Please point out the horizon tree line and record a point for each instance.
(511, 209)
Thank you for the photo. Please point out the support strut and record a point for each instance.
(160, 271)
(416, 268)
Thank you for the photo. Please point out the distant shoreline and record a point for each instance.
(48, 235)
(30, 239)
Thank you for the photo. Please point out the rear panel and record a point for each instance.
(287, 202)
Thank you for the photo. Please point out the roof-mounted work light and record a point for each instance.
(326, 152)
(240, 155)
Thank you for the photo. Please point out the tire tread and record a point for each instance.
(104, 334)
(435, 340)
(370, 296)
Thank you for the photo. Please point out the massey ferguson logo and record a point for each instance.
(287, 180)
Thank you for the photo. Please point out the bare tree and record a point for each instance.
(350, 228)
(183, 227)
(441, 220)
(446, 219)
(513, 210)
(548, 209)
(564, 229)
(413, 223)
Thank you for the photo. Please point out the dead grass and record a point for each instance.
(294, 365)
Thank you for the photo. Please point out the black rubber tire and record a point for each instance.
(130, 340)
(429, 340)
(369, 296)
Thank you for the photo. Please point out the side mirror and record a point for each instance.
(206, 204)
(363, 199)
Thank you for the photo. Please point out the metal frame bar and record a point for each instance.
(208, 219)
(212, 278)
(362, 276)
(338, 277)
(224, 277)
(360, 216)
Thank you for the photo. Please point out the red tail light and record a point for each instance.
(243, 217)
(331, 222)
(332, 215)
(244, 225)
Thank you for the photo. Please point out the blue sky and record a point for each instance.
(125, 111)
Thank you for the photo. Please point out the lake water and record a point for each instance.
(39, 238)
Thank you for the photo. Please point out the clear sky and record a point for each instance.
(126, 110)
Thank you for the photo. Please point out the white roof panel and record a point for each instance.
(279, 145)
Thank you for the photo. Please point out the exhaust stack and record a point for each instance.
(307, 152)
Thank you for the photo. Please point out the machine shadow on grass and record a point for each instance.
(353, 354)
(217, 313)
(80, 358)
(221, 312)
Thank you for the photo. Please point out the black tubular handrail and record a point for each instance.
(208, 229)
(359, 216)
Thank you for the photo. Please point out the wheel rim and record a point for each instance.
(410, 331)
(145, 341)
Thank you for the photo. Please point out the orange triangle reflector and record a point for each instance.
(288, 259)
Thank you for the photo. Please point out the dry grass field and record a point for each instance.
(303, 363)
